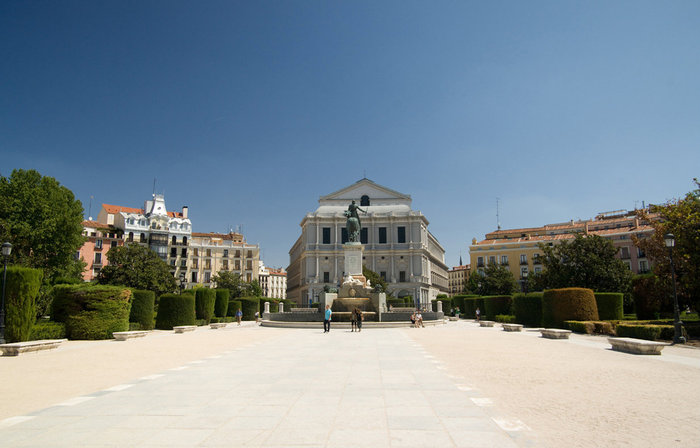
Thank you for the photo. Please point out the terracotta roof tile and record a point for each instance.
(114, 209)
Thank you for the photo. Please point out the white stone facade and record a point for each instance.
(396, 241)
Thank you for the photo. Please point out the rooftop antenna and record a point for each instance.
(90, 208)
(154, 187)
(498, 213)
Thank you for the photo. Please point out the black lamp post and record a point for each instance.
(6, 250)
(182, 281)
(678, 338)
(525, 282)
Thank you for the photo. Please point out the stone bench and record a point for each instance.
(124, 335)
(486, 323)
(637, 346)
(555, 333)
(453, 318)
(512, 327)
(217, 325)
(16, 348)
(184, 328)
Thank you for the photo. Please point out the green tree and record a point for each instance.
(253, 289)
(43, 221)
(496, 280)
(585, 262)
(374, 279)
(137, 267)
(681, 217)
(231, 281)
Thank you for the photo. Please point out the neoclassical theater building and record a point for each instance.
(397, 245)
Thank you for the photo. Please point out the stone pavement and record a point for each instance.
(377, 389)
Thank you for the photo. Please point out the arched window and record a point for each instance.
(131, 236)
(364, 201)
(174, 240)
(143, 237)
(184, 240)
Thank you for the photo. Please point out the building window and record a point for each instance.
(238, 253)
(172, 262)
(184, 241)
(225, 253)
(207, 277)
(402, 276)
(344, 235)
(143, 238)
(504, 260)
(326, 277)
(184, 252)
(326, 235)
(363, 235)
(382, 274)
(98, 244)
(98, 258)
(401, 236)
(382, 235)
(238, 265)
(113, 243)
(173, 251)
(225, 267)
(480, 262)
(174, 240)
(523, 259)
(538, 269)
(208, 252)
(492, 259)
(641, 253)
(249, 265)
(364, 201)
(625, 253)
(194, 277)
(207, 264)
(643, 266)
(536, 259)
(628, 264)
(196, 252)
(131, 237)
(195, 263)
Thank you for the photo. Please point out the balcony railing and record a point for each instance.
(523, 262)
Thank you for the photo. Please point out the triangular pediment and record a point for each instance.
(366, 187)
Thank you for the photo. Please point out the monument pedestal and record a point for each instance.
(353, 259)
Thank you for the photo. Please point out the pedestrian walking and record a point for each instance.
(327, 320)
(239, 316)
(353, 320)
(360, 317)
(257, 316)
(478, 314)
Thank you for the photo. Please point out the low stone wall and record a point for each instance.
(295, 317)
(406, 316)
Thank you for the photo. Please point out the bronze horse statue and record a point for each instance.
(353, 223)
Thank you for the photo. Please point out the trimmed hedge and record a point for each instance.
(221, 306)
(648, 332)
(175, 310)
(395, 302)
(470, 306)
(233, 306)
(559, 305)
(528, 308)
(142, 305)
(648, 295)
(205, 300)
(274, 305)
(249, 305)
(45, 329)
(505, 318)
(610, 305)
(580, 327)
(288, 304)
(91, 311)
(446, 304)
(497, 305)
(21, 291)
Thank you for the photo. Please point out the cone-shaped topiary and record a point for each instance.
(21, 291)
(175, 310)
(221, 306)
(142, 304)
(205, 300)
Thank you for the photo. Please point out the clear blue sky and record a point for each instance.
(249, 111)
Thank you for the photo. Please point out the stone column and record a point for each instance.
(267, 307)
(439, 306)
(281, 307)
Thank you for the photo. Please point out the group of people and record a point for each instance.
(356, 318)
(417, 319)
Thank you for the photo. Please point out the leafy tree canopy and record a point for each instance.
(137, 267)
(585, 262)
(497, 280)
(681, 217)
(237, 286)
(43, 221)
(374, 279)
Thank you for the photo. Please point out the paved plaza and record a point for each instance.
(257, 386)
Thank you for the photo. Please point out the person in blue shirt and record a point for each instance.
(239, 315)
(327, 320)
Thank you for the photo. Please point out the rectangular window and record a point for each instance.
(238, 265)
(195, 263)
(480, 262)
(113, 243)
(98, 244)
(401, 234)
(326, 277)
(194, 277)
(184, 252)
(225, 268)
(492, 259)
(382, 274)
(225, 253)
(538, 269)
(173, 251)
(250, 254)
(98, 258)
(523, 259)
(238, 253)
(344, 235)
(641, 253)
(402, 276)
(207, 277)
(249, 265)
(363, 235)
(625, 253)
(326, 235)
(207, 264)
(196, 252)
(208, 252)
(382, 235)
(643, 266)
(504, 259)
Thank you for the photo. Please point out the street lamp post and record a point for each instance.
(678, 338)
(6, 250)
(525, 282)
(182, 281)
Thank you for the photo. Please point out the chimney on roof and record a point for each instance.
(185, 209)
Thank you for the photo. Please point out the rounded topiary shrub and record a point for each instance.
(495, 305)
(528, 308)
(91, 311)
(610, 305)
(446, 303)
(233, 306)
(205, 301)
(142, 305)
(21, 291)
(249, 305)
(221, 306)
(45, 329)
(175, 310)
(563, 304)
